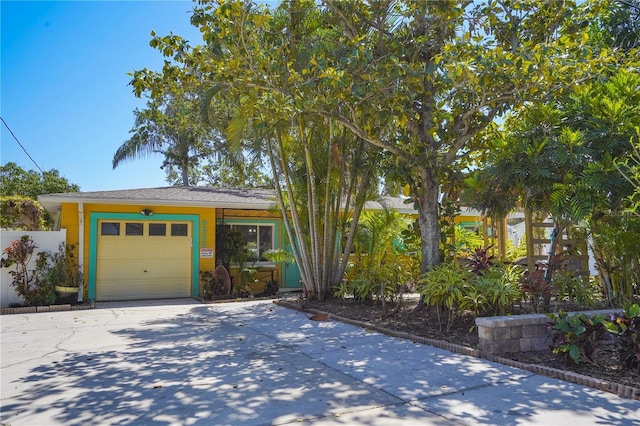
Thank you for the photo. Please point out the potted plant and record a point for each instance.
(65, 274)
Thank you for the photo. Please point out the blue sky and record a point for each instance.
(64, 86)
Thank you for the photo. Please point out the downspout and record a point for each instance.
(81, 247)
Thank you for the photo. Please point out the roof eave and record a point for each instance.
(53, 203)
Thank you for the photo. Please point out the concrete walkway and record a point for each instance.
(254, 363)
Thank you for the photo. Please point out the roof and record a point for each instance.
(192, 196)
(198, 196)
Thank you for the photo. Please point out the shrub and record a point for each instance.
(31, 285)
(536, 287)
(480, 261)
(574, 289)
(444, 287)
(500, 287)
(63, 267)
(212, 284)
(577, 336)
(627, 328)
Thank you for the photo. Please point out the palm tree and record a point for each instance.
(171, 126)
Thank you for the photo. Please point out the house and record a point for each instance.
(153, 242)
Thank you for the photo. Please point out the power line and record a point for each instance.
(25, 151)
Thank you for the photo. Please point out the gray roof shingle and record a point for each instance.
(194, 196)
(171, 195)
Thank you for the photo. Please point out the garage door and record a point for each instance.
(143, 260)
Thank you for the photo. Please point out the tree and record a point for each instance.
(320, 170)
(171, 125)
(561, 158)
(419, 81)
(19, 190)
(434, 75)
(14, 180)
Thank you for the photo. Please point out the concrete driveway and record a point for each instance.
(253, 363)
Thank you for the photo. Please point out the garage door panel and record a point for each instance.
(161, 249)
(143, 266)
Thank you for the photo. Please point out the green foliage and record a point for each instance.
(575, 289)
(500, 286)
(380, 265)
(453, 290)
(21, 213)
(515, 253)
(417, 81)
(31, 285)
(616, 243)
(229, 245)
(19, 190)
(14, 180)
(465, 242)
(63, 267)
(577, 336)
(444, 287)
(627, 328)
(171, 125)
(629, 167)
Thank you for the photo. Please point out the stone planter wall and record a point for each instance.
(519, 333)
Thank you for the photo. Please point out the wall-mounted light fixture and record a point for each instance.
(146, 212)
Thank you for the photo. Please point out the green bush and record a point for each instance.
(444, 287)
(626, 327)
(577, 336)
(574, 289)
(501, 288)
(32, 285)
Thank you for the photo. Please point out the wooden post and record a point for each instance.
(528, 221)
(502, 238)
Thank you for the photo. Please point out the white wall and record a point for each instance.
(45, 240)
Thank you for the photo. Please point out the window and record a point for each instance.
(109, 228)
(257, 239)
(158, 229)
(134, 228)
(179, 230)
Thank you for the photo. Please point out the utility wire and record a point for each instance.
(25, 151)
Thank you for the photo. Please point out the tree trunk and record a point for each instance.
(184, 170)
(428, 216)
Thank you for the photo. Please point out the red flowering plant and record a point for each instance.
(31, 285)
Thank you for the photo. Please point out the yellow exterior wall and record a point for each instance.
(70, 221)
(263, 274)
(208, 216)
(464, 218)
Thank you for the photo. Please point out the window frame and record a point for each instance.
(258, 225)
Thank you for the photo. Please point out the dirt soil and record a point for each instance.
(463, 332)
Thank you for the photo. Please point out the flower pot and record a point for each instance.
(66, 295)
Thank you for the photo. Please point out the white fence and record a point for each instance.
(45, 240)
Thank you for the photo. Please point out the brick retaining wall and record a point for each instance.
(519, 333)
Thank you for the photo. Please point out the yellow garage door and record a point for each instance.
(143, 260)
